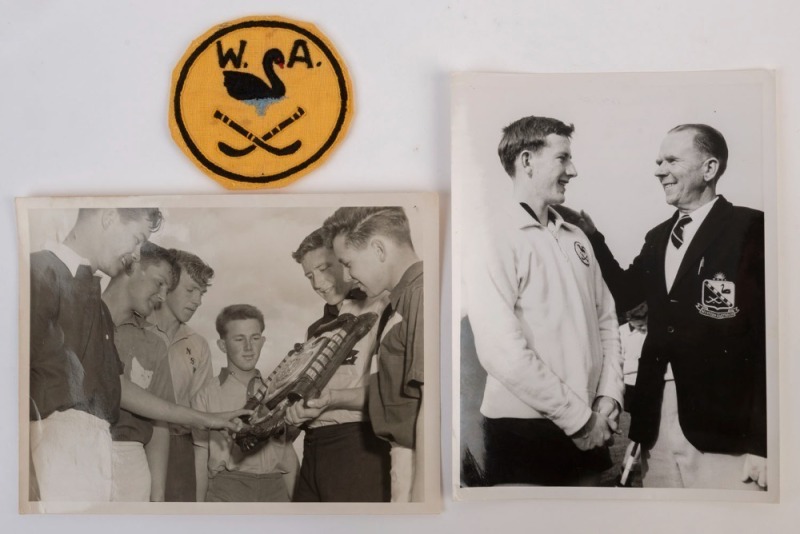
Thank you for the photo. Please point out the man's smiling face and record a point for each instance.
(680, 170)
(552, 169)
(326, 275)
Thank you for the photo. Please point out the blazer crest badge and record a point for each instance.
(718, 298)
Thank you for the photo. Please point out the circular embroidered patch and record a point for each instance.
(260, 101)
(583, 255)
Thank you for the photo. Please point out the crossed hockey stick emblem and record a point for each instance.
(717, 297)
(260, 142)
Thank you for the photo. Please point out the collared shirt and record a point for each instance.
(189, 362)
(68, 257)
(674, 256)
(229, 392)
(551, 219)
(355, 370)
(394, 391)
(144, 355)
(544, 321)
(189, 366)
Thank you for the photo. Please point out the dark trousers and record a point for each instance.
(628, 398)
(233, 486)
(181, 480)
(343, 463)
(537, 452)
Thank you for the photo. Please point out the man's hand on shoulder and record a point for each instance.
(755, 469)
(581, 220)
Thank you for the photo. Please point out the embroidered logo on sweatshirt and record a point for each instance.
(583, 255)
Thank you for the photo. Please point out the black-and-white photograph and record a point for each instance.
(615, 297)
(238, 349)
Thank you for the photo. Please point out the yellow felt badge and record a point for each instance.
(260, 101)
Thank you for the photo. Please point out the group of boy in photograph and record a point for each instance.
(544, 294)
(123, 402)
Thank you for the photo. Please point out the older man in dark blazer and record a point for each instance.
(699, 409)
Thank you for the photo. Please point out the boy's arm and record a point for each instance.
(204, 372)
(611, 384)
(157, 451)
(414, 356)
(407, 464)
(331, 399)
(200, 439)
(137, 400)
(201, 471)
(418, 482)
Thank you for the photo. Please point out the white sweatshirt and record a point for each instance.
(544, 321)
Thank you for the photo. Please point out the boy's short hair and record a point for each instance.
(151, 215)
(528, 133)
(237, 312)
(358, 225)
(150, 254)
(316, 239)
(200, 272)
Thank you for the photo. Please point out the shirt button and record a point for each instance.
(670, 330)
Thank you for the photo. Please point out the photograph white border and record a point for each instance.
(428, 204)
(601, 85)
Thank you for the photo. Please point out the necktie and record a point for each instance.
(677, 232)
(331, 311)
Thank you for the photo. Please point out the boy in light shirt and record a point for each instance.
(224, 472)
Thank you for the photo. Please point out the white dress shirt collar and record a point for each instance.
(68, 257)
(674, 256)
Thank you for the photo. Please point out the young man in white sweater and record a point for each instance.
(545, 324)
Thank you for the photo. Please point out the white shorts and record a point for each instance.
(130, 472)
(402, 472)
(71, 454)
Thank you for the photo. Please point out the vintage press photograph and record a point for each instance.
(615, 294)
(274, 353)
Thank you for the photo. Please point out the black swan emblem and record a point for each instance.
(252, 90)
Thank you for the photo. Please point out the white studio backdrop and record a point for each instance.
(620, 121)
(83, 111)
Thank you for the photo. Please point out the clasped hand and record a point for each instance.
(600, 428)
